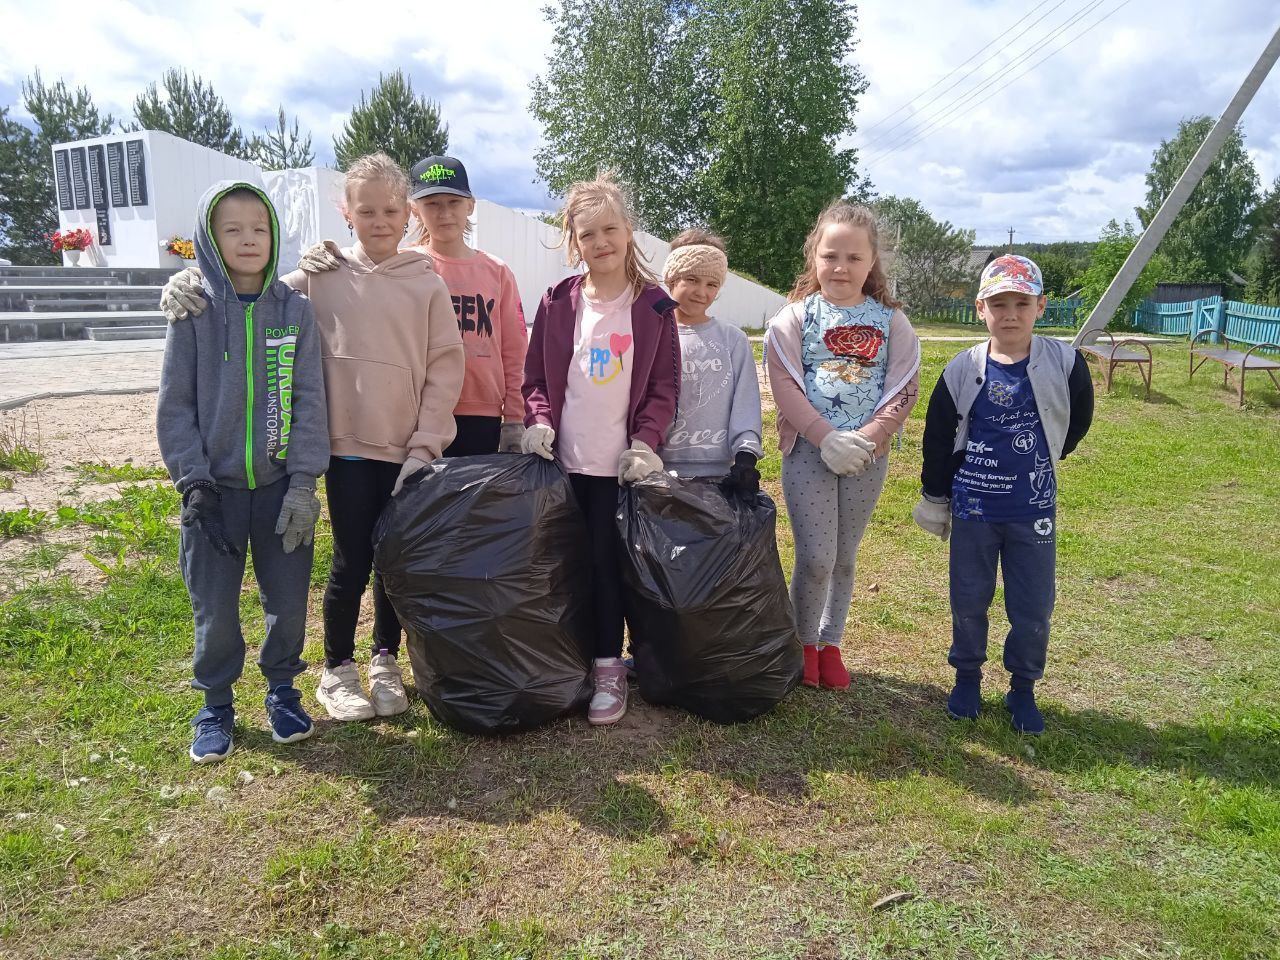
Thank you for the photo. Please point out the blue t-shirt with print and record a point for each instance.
(1007, 474)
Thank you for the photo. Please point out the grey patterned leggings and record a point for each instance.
(828, 514)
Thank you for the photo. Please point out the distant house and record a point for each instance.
(979, 257)
(1184, 292)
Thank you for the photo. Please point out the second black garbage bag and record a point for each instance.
(485, 561)
(707, 609)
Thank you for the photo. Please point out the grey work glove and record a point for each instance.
(320, 258)
(183, 295)
(638, 462)
(299, 512)
(933, 516)
(411, 466)
(509, 440)
(539, 439)
(847, 453)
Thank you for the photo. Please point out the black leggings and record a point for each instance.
(357, 490)
(476, 436)
(598, 500)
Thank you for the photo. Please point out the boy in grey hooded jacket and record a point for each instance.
(243, 430)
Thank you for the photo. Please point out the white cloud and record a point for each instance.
(1056, 154)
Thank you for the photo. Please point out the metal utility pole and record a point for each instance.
(1011, 233)
(1173, 204)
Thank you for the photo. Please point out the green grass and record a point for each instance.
(120, 473)
(1146, 823)
(24, 520)
(20, 447)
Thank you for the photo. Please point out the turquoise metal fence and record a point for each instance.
(1246, 322)
(1057, 313)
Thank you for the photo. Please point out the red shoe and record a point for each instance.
(810, 665)
(831, 669)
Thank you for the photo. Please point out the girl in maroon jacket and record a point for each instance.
(601, 379)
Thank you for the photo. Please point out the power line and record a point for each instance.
(1003, 47)
(924, 133)
(940, 115)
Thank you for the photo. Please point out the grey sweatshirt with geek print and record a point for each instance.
(718, 414)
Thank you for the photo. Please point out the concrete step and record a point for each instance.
(83, 304)
(55, 275)
(147, 332)
(23, 326)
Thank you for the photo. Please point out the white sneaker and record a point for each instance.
(386, 686)
(340, 693)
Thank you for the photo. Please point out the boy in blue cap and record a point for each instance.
(1002, 416)
(244, 433)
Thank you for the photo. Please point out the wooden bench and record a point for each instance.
(1232, 359)
(1113, 352)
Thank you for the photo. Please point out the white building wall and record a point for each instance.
(528, 246)
(308, 201)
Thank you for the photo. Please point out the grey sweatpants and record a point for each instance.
(214, 584)
(829, 515)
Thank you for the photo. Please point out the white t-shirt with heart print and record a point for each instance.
(593, 424)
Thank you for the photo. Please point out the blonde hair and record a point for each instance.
(854, 215)
(588, 198)
(376, 167)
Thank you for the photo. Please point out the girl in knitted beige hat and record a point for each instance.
(716, 432)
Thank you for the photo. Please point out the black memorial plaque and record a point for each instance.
(104, 226)
(115, 174)
(80, 178)
(137, 173)
(97, 176)
(62, 176)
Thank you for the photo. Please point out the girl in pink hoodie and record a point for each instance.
(393, 369)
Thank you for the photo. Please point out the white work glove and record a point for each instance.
(847, 453)
(320, 258)
(933, 516)
(539, 439)
(411, 466)
(638, 462)
(299, 512)
(183, 295)
(510, 437)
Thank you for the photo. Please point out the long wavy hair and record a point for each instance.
(586, 199)
(855, 215)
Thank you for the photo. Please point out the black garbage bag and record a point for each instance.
(706, 602)
(484, 559)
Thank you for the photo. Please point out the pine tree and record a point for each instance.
(284, 148)
(189, 108)
(394, 120)
(28, 199)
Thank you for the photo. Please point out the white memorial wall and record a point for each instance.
(134, 191)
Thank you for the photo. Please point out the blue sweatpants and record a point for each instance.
(214, 584)
(1026, 553)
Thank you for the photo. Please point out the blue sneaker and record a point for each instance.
(965, 702)
(289, 722)
(1024, 715)
(212, 741)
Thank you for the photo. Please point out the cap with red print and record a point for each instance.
(1010, 272)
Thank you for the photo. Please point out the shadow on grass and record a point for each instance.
(884, 730)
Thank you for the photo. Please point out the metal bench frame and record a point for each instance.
(1108, 359)
(1228, 364)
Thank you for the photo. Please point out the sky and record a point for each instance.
(1054, 149)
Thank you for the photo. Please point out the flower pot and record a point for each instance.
(73, 257)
